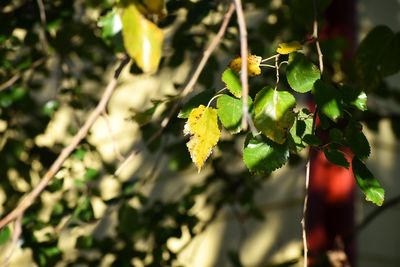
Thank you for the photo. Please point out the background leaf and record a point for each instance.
(142, 39)
(301, 73)
(263, 155)
(368, 183)
(274, 113)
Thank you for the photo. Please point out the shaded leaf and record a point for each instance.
(232, 82)
(287, 48)
(378, 56)
(357, 141)
(301, 73)
(200, 99)
(368, 183)
(353, 97)
(202, 126)
(336, 157)
(262, 155)
(155, 7)
(142, 39)
(274, 113)
(328, 100)
(253, 65)
(230, 113)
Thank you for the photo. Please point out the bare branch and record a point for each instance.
(307, 182)
(188, 88)
(14, 241)
(43, 23)
(243, 53)
(79, 136)
(18, 75)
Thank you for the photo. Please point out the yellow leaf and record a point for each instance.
(155, 7)
(142, 39)
(287, 48)
(253, 65)
(202, 126)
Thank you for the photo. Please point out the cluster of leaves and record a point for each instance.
(282, 127)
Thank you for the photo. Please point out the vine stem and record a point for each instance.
(243, 53)
(27, 201)
(187, 89)
(308, 166)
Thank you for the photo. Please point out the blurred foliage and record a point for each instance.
(82, 46)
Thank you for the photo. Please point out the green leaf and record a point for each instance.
(301, 127)
(311, 140)
(110, 24)
(229, 111)
(200, 99)
(274, 113)
(142, 39)
(145, 117)
(5, 235)
(353, 97)
(357, 141)
(328, 100)
(378, 56)
(336, 157)
(262, 155)
(368, 183)
(301, 73)
(336, 136)
(232, 82)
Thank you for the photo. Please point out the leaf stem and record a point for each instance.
(214, 97)
(269, 58)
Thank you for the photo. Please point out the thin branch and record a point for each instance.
(19, 74)
(187, 89)
(43, 22)
(308, 167)
(79, 136)
(243, 54)
(277, 71)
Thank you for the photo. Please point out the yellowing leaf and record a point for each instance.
(253, 65)
(202, 126)
(142, 39)
(287, 48)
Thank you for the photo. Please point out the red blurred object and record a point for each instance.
(330, 212)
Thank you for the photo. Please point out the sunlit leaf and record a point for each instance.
(328, 100)
(253, 65)
(287, 48)
(202, 126)
(274, 113)
(301, 73)
(230, 112)
(301, 127)
(263, 155)
(368, 183)
(232, 82)
(336, 157)
(353, 97)
(142, 39)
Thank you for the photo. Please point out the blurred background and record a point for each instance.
(157, 210)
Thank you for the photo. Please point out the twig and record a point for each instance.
(187, 89)
(243, 54)
(79, 136)
(42, 35)
(14, 242)
(18, 75)
(277, 71)
(308, 167)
